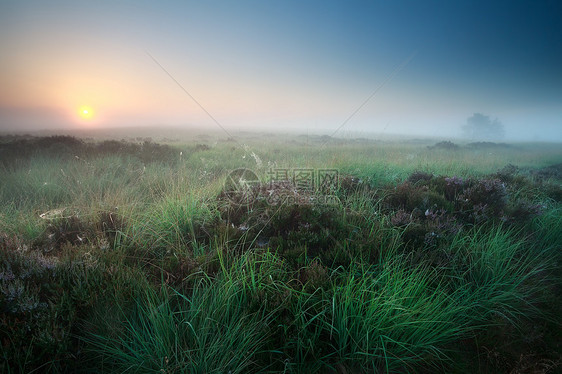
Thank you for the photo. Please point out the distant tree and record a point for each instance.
(481, 127)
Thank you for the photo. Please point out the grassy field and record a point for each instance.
(348, 256)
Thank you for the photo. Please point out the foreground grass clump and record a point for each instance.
(131, 257)
(391, 319)
(209, 331)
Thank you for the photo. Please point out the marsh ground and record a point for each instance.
(427, 256)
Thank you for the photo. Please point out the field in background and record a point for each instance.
(428, 256)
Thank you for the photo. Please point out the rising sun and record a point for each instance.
(86, 112)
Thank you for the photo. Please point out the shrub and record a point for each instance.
(419, 176)
(484, 199)
(447, 145)
(32, 335)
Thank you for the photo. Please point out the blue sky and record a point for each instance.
(284, 64)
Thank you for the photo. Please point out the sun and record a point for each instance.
(86, 112)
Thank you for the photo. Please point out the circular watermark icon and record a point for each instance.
(240, 186)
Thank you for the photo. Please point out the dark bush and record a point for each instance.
(484, 199)
(348, 185)
(453, 187)
(521, 211)
(201, 147)
(447, 145)
(553, 191)
(549, 172)
(314, 276)
(410, 197)
(507, 173)
(401, 218)
(16, 151)
(69, 142)
(404, 196)
(33, 335)
(419, 176)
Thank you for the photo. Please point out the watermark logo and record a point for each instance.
(283, 186)
(241, 186)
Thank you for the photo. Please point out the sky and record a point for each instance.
(336, 67)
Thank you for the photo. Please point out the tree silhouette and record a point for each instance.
(481, 127)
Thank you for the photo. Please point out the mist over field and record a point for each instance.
(404, 67)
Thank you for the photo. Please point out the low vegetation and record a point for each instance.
(132, 256)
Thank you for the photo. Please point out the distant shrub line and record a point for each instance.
(17, 150)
